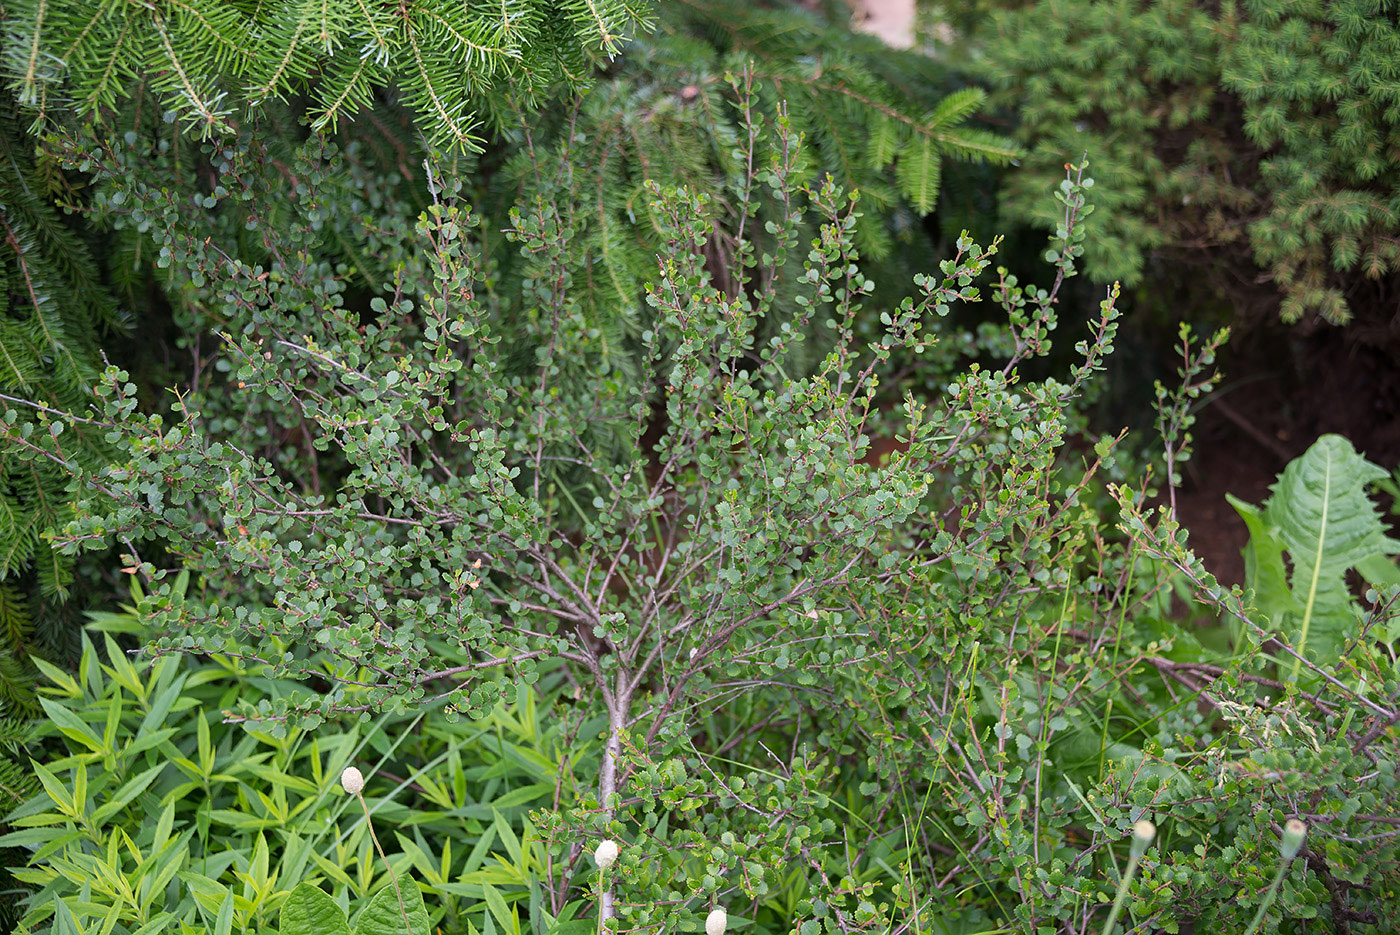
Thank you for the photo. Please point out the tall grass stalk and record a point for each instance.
(1143, 833)
(1293, 832)
(354, 783)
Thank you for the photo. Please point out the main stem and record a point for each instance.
(393, 877)
(1122, 896)
(619, 703)
(1268, 897)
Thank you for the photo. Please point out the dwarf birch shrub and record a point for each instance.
(427, 511)
(424, 501)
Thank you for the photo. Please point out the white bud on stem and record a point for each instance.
(352, 780)
(716, 922)
(606, 854)
(1143, 833)
(1293, 832)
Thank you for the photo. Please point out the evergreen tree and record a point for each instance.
(207, 60)
(1267, 123)
(54, 309)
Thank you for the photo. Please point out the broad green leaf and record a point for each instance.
(30, 836)
(59, 677)
(509, 840)
(276, 778)
(1328, 524)
(415, 851)
(164, 826)
(80, 788)
(525, 795)
(332, 870)
(121, 670)
(383, 915)
(63, 921)
(57, 790)
(152, 739)
(1264, 568)
(223, 925)
(1379, 570)
(159, 924)
(241, 821)
(160, 708)
(154, 886)
(206, 748)
(309, 911)
(114, 717)
(478, 853)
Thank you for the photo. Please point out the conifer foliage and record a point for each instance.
(54, 310)
(1268, 124)
(205, 59)
(681, 108)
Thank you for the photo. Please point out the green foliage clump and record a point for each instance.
(161, 811)
(809, 687)
(883, 122)
(605, 449)
(1262, 123)
(17, 783)
(206, 61)
(54, 309)
(666, 113)
(309, 911)
(1322, 519)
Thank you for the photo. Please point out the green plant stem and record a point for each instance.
(1268, 897)
(1117, 642)
(1122, 895)
(393, 877)
(1316, 571)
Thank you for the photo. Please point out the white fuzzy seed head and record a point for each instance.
(716, 922)
(606, 854)
(352, 780)
(1293, 832)
(1143, 833)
